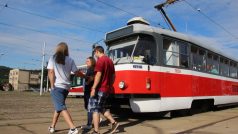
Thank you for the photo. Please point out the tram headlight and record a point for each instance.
(148, 83)
(122, 85)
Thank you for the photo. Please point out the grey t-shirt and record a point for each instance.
(62, 72)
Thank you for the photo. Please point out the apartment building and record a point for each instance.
(22, 80)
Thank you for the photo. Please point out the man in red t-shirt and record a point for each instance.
(103, 83)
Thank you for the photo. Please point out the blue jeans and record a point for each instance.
(97, 103)
(90, 114)
(58, 96)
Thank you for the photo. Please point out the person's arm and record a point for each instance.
(51, 75)
(80, 74)
(77, 72)
(96, 82)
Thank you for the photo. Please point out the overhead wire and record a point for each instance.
(27, 40)
(10, 45)
(51, 18)
(65, 22)
(17, 37)
(32, 51)
(42, 32)
(3, 7)
(210, 19)
(130, 13)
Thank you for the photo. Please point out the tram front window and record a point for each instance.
(121, 51)
(145, 50)
(139, 49)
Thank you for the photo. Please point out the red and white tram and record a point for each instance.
(160, 70)
(77, 83)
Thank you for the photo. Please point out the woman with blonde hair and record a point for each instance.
(59, 67)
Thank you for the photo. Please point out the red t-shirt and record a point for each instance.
(106, 67)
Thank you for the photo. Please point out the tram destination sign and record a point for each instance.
(119, 33)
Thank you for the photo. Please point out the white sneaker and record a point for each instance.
(73, 131)
(51, 129)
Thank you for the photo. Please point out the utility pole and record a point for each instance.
(160, 8)
(47, 83)
(42, 69)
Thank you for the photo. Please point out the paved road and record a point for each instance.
(27, 113)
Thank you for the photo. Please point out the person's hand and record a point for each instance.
(92, 92)
(80, 74)
(90, 78)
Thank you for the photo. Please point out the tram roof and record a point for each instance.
(140, 28)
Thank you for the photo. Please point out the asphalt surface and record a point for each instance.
(29, 113)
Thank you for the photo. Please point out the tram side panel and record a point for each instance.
(176, 92)
(135, 83)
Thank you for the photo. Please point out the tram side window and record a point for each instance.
(212, 63)
(224, 66)
(198, 58)
(79, 81)
(233, 69)
(76, 81)
(171, 53)
(184, 58)
(175, 53)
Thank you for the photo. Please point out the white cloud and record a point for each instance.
(221, 12)
(95, 15)
(82, 17)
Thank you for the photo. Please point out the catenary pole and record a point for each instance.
(42, 69)
(47, 83)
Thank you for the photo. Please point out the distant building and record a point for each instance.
(34, 79)
(22, 80)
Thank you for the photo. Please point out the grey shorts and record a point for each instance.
(98, 102)
(58, 96)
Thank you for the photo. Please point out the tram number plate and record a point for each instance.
(137, 66)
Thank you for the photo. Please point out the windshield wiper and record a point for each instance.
(117, 61)
(137, 40)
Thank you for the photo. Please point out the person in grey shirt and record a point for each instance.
(59, 67)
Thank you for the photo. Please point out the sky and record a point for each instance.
(25, 25)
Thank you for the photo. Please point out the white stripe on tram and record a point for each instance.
(138, 67)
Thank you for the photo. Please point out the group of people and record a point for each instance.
(99, 79)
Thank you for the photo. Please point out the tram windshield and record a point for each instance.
(137, 49)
